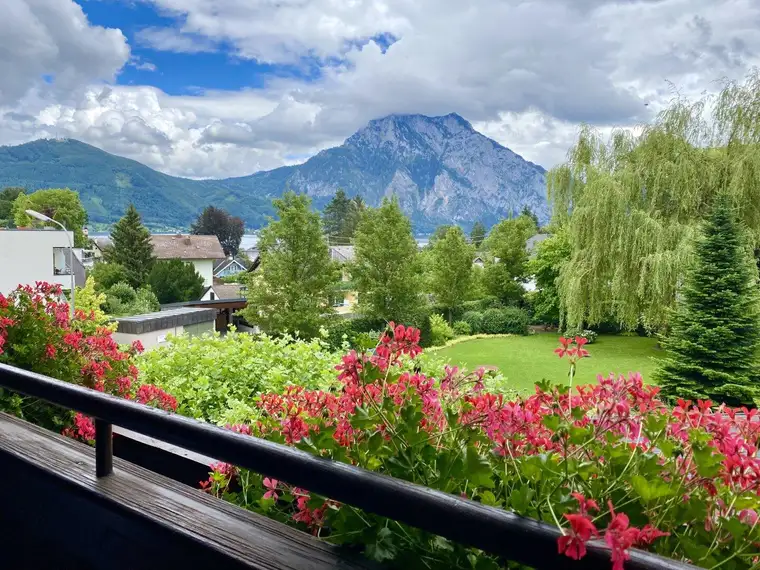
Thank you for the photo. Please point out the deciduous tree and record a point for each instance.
(551, 255)
(290, 289)
(451, 271)
(635, 203)
(60, 204)
(7, 197)
(385, 270)
(218, 222)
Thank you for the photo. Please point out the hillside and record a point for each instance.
(442, 170)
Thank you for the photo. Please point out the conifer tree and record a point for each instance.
(478, 234)
(715, 330)
(132, 248)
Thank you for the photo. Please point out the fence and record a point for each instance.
(493, 530)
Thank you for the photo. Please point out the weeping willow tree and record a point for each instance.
(633, 204)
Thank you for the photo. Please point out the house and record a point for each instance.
(30, 255)
(223, 292)
(229, 266)
(345, 299)
(201, 251)
(479, 261)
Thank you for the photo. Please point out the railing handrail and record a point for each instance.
(491, 529)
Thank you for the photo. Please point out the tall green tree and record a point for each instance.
(291, 288)
(132, 248)
(715, 331)
(385, 270)
(7, 197)
(551, 256)
(175, 281)
(341, 217)
(634, 203)
(334, 216)
(478, 234)
(60, 204)
(452, 274)
(526, 211)
(217, 222)
(505, 272)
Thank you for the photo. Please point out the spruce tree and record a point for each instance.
(478, 234)
(335, 216)
(713, 340)
(132, 248)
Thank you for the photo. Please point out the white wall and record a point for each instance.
(26, 256)
(206, 268)
(149, 340)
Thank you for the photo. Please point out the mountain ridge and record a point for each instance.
(440, 168)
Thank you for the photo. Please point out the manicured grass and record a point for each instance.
(525, 360)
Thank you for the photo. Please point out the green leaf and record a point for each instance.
(478, 469)
(551, 422)
(650, 490)
(488, 498)
(520, 498)
(375, 442)
(383, 548)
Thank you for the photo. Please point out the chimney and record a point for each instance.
(187, 240)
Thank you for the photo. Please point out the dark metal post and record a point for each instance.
(103, 448)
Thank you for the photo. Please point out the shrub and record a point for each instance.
(462, 328)
(475, 320)
(588, 334)
(217, 378)
(355, 331)
(175, 281)
(608, 460)
(36, 334)
(482, 304)
(509, 320)
(440, 331)
(122, 299)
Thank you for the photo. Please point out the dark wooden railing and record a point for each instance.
(493, 530)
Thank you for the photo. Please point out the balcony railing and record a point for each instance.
(493, 530)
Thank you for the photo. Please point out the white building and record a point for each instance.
(30, 255)
(201, 251)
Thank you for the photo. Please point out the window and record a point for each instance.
(61, 265)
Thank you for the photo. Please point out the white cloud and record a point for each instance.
(171, 39)
(49, 44)
(524, 73)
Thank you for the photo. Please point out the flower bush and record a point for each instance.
(37, 334)
(607, 462)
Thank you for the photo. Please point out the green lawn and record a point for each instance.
(524, 360)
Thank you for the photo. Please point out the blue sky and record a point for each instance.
(183, 73)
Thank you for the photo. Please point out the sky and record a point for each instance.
(217, 88)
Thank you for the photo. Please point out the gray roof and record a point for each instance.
(171, 318)
(533, 241)
(187, 247)
(227, 291)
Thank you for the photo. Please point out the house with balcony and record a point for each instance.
(201, 251)
(30, 255)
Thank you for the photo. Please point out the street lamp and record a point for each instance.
(44, 218)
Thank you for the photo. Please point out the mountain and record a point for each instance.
(440, 168)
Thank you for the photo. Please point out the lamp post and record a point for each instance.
(44, 218)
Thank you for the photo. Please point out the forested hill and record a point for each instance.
(441, 169)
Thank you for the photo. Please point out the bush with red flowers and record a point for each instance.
(36, 334)
(607, 462)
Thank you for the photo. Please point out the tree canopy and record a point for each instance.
(451, 268)
(290, 290)
(175, 281)
(715, 331)
(478, 234)
(385, 270)
(551, 255)
(341, 217)
(60, 204)
(633, 204)
(7, 197)
(132, 248)
(217, 222)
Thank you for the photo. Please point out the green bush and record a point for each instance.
(475, 320)
(440, 331)
(589, 335)
(462, 328)
(480, 305)
(357, 332)
(123, 300)
(510, 320)
(217, 378)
